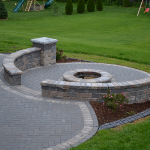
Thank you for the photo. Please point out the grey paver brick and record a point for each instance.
(36, 123)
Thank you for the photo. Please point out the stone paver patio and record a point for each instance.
(31, 122)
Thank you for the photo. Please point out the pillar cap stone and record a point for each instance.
(44, 40)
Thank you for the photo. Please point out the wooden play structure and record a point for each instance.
(33, 5)
(144, 6)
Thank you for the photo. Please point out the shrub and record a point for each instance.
(119, 2)
(80, 6)
(99, 5)
(126, 3)
(69, 7)
(107, 2)
(90, 5)
(59, 55)
(3, 11)
(114, 101)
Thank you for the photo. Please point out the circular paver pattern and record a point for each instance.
(77, 75)
(34, 77)
(28, 122)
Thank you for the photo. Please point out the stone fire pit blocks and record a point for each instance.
(99, 76)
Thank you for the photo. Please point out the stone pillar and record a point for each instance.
(48, 49)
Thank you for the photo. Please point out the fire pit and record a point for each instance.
(87, 76)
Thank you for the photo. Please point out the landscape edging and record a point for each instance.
(126, 120)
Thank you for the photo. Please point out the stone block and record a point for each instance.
(97, 95)
(45, 87)
(85, 95)
(138, 98)
(142, 100)
(62, 94)
(131, 98)
(53, 93)
(70, 94)
(146, 91)
(66, 85)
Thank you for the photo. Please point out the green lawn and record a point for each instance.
(115, 35)
(128, 137)
(115, 32)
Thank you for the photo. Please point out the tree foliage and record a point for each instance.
(126, 3)
(69, 7)
(90, 5)
(99, 5)
(80, 6)
(3, 11)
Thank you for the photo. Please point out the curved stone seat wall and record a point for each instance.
(136, 91)
(19, 61)
(29, 60)
(43, 53)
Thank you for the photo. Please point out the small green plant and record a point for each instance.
(55, 7)
(60, 56)
(69, 7)
(114, 101)
(107, 2)
(128, 113)
(59, 53)
(80, 6)
(131, 113)
(99, 5)
(3, 11)
(90, 5)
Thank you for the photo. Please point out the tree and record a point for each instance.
(80, 6)
(99, 5)
(55, 7)
(126, 3)
(3, 11)
(69, 7)
(90, 5)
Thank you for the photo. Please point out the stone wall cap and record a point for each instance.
(13, 71)
(44, 40)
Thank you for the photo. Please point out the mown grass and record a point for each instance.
(135, 136)
(115, 32)
(102, 59)
(115, 35)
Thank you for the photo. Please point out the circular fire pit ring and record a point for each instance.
(87, 76)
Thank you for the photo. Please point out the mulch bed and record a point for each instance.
(106, 115)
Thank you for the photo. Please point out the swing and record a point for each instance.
(147, 9)
(144, 6)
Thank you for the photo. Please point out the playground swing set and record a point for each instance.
(36, 6)
(32, 5)
(144, 6)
